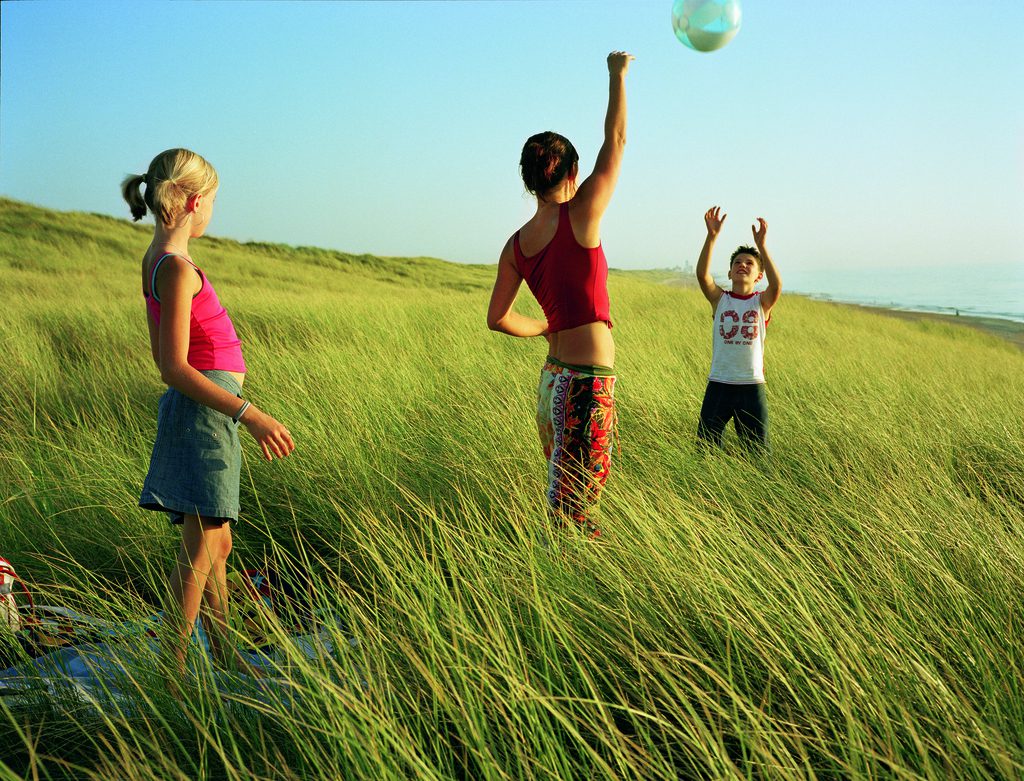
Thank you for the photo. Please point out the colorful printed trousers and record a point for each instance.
(576, 422)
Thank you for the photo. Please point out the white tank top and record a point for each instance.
(737, 354)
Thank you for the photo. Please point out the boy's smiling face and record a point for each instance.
(744, 270)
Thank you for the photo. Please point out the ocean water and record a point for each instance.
(980, 291)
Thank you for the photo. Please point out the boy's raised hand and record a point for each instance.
(714, 219)
(759, 231)
(771, 294)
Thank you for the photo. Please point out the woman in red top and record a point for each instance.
(558, 253)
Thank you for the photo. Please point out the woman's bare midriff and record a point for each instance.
(584, 345)
(238, 376)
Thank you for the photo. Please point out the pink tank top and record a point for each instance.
(212, 342)
(569, 281)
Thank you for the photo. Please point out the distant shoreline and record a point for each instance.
(1010, 330)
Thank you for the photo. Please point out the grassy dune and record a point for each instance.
(849, 608)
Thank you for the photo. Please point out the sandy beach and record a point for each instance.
(1006, 329)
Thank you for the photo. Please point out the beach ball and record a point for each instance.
(705, 25)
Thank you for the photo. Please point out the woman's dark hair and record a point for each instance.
(547, 158)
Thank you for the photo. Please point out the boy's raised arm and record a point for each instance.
(771, 273)
(713, 219)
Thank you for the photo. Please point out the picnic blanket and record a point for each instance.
(66, 656)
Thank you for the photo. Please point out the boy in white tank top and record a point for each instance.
(736, 384)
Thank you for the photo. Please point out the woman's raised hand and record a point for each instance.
(618, 62)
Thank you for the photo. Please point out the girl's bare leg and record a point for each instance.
(215, 616)
(204, 550)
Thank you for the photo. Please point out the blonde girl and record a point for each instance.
(194, 470)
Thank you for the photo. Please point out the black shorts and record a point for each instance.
(747, 405)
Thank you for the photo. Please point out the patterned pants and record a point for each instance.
(576, 422)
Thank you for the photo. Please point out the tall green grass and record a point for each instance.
(849, 607)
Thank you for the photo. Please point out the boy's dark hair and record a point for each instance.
(743, 250)
(546, 158)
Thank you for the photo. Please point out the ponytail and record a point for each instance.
(131, 190)
(173, 177)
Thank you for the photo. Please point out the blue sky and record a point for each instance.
(870, 134)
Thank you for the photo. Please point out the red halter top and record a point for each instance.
(570, 282)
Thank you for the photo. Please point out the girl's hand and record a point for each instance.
(714, 219)
(274, 438)
(618, 63)
(759, 231)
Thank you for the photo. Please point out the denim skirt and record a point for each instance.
(197, 458)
